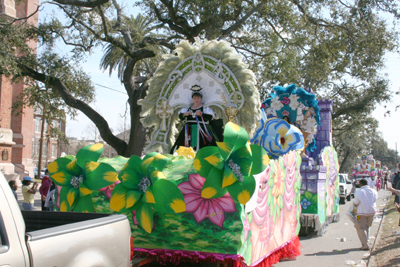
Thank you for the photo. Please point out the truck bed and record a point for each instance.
(77, 239)
(40, 220)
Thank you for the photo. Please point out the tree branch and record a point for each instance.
(315, 21)
(71, 101)
(82, 3)
(239, 22)
(104, 21)
(169, 22)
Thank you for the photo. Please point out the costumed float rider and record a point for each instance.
(364, 170)
(197, 131)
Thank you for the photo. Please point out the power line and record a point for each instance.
(112, 89)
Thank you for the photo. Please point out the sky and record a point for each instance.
(112, 105)
(389, 126)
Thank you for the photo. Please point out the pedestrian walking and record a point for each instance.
(385, 181)
(378, 184)
(28, 193)
(364, 206)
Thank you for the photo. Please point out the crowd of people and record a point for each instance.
(30, 188)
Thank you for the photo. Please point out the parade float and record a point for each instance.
(319, 167)
(366, 167)
(235, 203)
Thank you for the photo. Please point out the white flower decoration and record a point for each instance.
(293, 101)
(270, 111)
(310, 123)
(310, 138)
(276, 104)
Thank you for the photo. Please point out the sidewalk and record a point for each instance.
(339, 246)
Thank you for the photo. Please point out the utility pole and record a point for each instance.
(41, 138)
(41, 142)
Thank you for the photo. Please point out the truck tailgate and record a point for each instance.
(97, 242)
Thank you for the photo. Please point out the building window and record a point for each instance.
(37, 125)
(44, 149)
(33, 147)
(53, 150)
(37, 148)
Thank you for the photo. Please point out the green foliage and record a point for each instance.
(315, 44)
(380, 150)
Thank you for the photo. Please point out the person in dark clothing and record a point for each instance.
(44, 189)
(14, 188)
(197, 131)
(385, 180)
(396, 185)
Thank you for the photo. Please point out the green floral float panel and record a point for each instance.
(169, 207)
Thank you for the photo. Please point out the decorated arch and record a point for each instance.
(214, 66)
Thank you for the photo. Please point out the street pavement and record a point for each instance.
(339, 246)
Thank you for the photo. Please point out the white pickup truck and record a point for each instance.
(36, 238)
(346, 188)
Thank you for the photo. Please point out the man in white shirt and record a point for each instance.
(364, 205)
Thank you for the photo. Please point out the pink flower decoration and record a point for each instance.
(108, 189)
(214, 208)
(285, 100)
(285, 113)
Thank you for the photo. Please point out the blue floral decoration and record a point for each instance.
(277, 136)
(305, 203)
(284, 102)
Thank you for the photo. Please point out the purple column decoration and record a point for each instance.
(324, 133)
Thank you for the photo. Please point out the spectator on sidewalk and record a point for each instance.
(396, 185)
(397, 192)
(28, 193)
(364, 206)
(385, 180)
(50, 198)
(378, 183)
(14, 188)
(44, 189)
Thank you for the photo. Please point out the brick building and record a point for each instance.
(17, 133)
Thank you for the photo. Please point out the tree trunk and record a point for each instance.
(137, 137)
(347, 154)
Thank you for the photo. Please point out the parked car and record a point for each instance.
(345, 188)
(47, 239)
(35, 171)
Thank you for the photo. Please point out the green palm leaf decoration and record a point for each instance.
(144, 187)
(80, 176)
(229, 167)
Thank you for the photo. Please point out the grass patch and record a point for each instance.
(386, 251)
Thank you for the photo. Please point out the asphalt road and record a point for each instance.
(329, 250)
